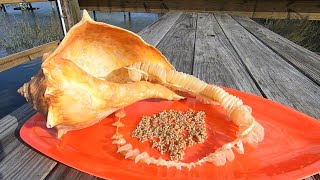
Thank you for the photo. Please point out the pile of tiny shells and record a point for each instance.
(172, 131)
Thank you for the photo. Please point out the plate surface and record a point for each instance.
(290, 150)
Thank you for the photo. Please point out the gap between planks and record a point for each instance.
(215, 60)
(178, 44)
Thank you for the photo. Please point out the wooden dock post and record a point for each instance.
(94, 15)
(3, 7)
(71, 12)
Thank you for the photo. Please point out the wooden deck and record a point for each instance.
(229, 51)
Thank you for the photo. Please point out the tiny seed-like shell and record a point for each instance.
(120, 141)
(125, 148)
(132, 153)
(141, 156)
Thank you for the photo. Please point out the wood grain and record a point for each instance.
(27, 55)
(278, 80)
(314, 177)
(62, 171)
(178, 44)
(71, 12)
(156, 31)
(303, 59)
(18, 160)
(215, 60)
(11, 122)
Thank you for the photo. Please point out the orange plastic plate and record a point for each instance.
(290, 150)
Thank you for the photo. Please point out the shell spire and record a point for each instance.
(86, 16)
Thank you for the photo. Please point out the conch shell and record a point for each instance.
(98, 69)
(83, 80)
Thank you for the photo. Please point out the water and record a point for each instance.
(10, 81)
(14, 78)
(136, 23)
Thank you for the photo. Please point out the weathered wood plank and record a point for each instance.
(251, 8)
(305, 60)
(27, 55)
(71, 12)
(156, 31)
(278, 80)
(215, 60)
(178, 44)
(17, 160)
(62, 171)
(20, 1)
(314, 177)
(10, 123)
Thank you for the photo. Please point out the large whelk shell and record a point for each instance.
(85, 80)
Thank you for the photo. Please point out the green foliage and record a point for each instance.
(304, 32)
(21, 35)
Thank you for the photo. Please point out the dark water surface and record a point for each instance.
(14, 78)
(10, 81)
